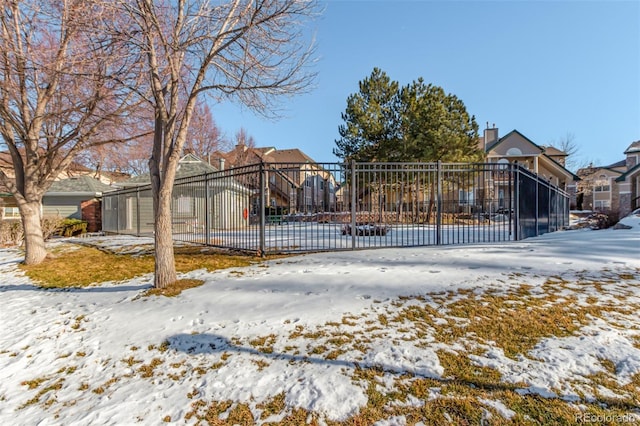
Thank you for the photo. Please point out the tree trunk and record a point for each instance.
(165, 266)
(35, 250)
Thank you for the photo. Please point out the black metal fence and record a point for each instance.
(304, 207)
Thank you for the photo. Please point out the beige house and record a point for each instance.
(515, 148)
(612, 188)
(488, 193)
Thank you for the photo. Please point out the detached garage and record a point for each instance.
(76, 198)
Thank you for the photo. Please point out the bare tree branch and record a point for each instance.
(249, 51)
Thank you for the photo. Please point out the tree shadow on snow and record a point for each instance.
(90, 289)
(196, 344)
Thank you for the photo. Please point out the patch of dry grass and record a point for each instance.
(173, 289)
(84, 266)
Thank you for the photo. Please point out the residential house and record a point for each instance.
(74, 194)
(295, 182)
(487, 192)
(611, 188)
(76, 198)
(516, 148)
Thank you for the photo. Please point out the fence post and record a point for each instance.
(118, 213)
(439, 204)
(138, 212)
(207, 214)
(354, 200)
(515, 175)
(103, 217)
(537, 205)
(261, 206)
(511, 207)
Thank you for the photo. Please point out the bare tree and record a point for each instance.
(56, 97)
(129, 157)
(243, 154)
(568, 144)
(204, 137)
(250, 51)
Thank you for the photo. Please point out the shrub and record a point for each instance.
(50, 226)
(71, 227)
(11, 232)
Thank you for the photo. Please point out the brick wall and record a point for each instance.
(92, 214)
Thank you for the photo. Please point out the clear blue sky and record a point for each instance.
(545, 68)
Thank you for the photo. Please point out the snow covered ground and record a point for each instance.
(105, 355)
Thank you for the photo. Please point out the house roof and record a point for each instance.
(243, 155)
(552, 151)
(618, 164)
(78, 185)
(240, 155)
(634, 147)
(586, 171)
(631, 172)
(288, 156)
(189, 165)
(505, 137)
(547, 152)
(564, 169)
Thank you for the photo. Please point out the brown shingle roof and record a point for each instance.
(288, 156)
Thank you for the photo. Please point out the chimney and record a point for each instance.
(490, 135)
(221, 164)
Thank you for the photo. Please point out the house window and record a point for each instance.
(465, 197)
(321, 184)
(602, 204)
(272, 179)
(307, 181)
(602, 188)
(11, 213)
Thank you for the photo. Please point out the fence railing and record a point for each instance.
(304, 207)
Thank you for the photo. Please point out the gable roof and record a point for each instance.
(634, 147)
(618, 164)
(78, 185)
(573, 175)
(546, 152)
(493, 145)
(189, 165)
(288, 156)
(632, 171)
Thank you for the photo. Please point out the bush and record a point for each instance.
(50, 226)
(598, 220)
(71, 227)
(11, 232)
